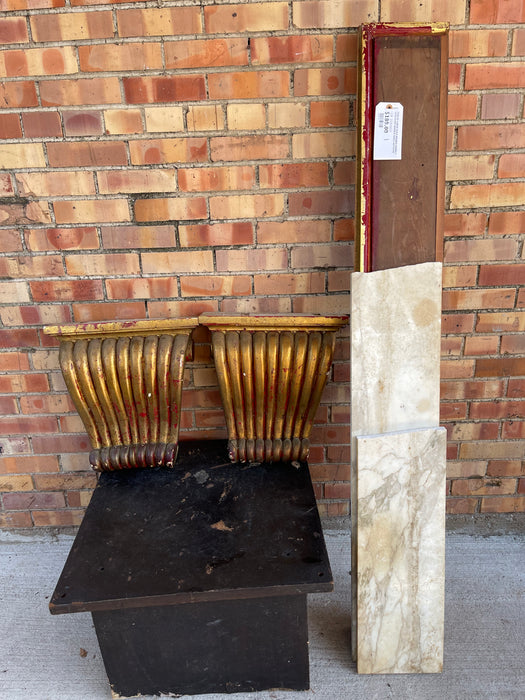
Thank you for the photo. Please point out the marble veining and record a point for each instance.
(400, 551)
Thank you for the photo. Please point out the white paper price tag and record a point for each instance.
(388, 131)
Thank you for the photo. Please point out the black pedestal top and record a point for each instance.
(204, 530)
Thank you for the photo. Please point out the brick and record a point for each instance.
(293, 231)
(502, 504)
(25, 212)
(10, 241)
(61, 482)
(492, 450)
(505, 467)
(325, 81)
(511, 165)
(82, 153)
(460, 276)
(170, 309)
(66, 290)
(14, 361)
(246, 85)
(494, 75)
(232, 148)
(21, 93)
(465, 470)
(490, 137)
(71, 26)
(143, 288)
(164, 119)
(506, 222)
(77, 499)
(91, 210)
(182, 150)
(55, 403)
(6, 185)
(313, 48)
(255, 17)
(171, 21)
(172, 88)
(14, 483)
(123, 121)
(315, 14)
(496, 410)
(83, 238)
(257, 305)
(55, 184)
(103, 264)
(246, 205)
(500, 105)
(416, 11)
(201, 285)
(286, 115)
(120, 57)
(462, 505)
(15, 520)
(285, 283)
(498, 195)
(170, 208)
(520, 302)
(21, 383)
(252, 259)
(344, 173)
(321, 202)
(518, 42)
(177, 262)
(496, 12)
(246, 116)
(501, 322)
(483, 487)
(22, 155)
(77, 123)
(137, 180)
(10, 446)
(45, 359)
(469, 224)
(13, 292)
(322, 255)
(13, 30)
(205, 118)
(85, 91)
(456, 369)
(138, 237)
(332, 113)
(474, 431)
(514, 430)
(462, 107)
(328, 144)
(291, 175)
(42, 124)
(501, 367)
(221, 234)
(35, 315)
(480, 250)
(200, 53)
(10, 126)
(338, 281)
(475, 167)
(24, 425)
(472, 389)
(478, 43)
(501, 275)
(88, 313)
(31, 266)
(481, 345)
(478, 299)
(451, 346)
(28, 62)
(454, 80)
(513, 344)
(66, 518)
(31, 4)
(216, 179)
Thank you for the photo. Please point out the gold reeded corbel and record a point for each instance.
(125, 379)
(271, 372)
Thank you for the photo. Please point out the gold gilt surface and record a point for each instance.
(271, 372)
(126, 383)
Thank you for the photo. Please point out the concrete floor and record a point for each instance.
(57, 658)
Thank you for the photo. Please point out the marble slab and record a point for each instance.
(401, 551)
(395, 355)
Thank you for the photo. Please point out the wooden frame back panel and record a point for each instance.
(400, 203)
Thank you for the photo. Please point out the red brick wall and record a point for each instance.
(200, 156)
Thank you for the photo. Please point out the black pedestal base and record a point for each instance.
(227, 646)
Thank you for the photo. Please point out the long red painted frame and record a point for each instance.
(365, 116)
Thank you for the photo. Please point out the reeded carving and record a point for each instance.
(271, 372)
(126, 382)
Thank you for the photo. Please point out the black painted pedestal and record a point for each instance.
(197, 576)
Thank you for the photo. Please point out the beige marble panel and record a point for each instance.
(401, 551)
(395, 353)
